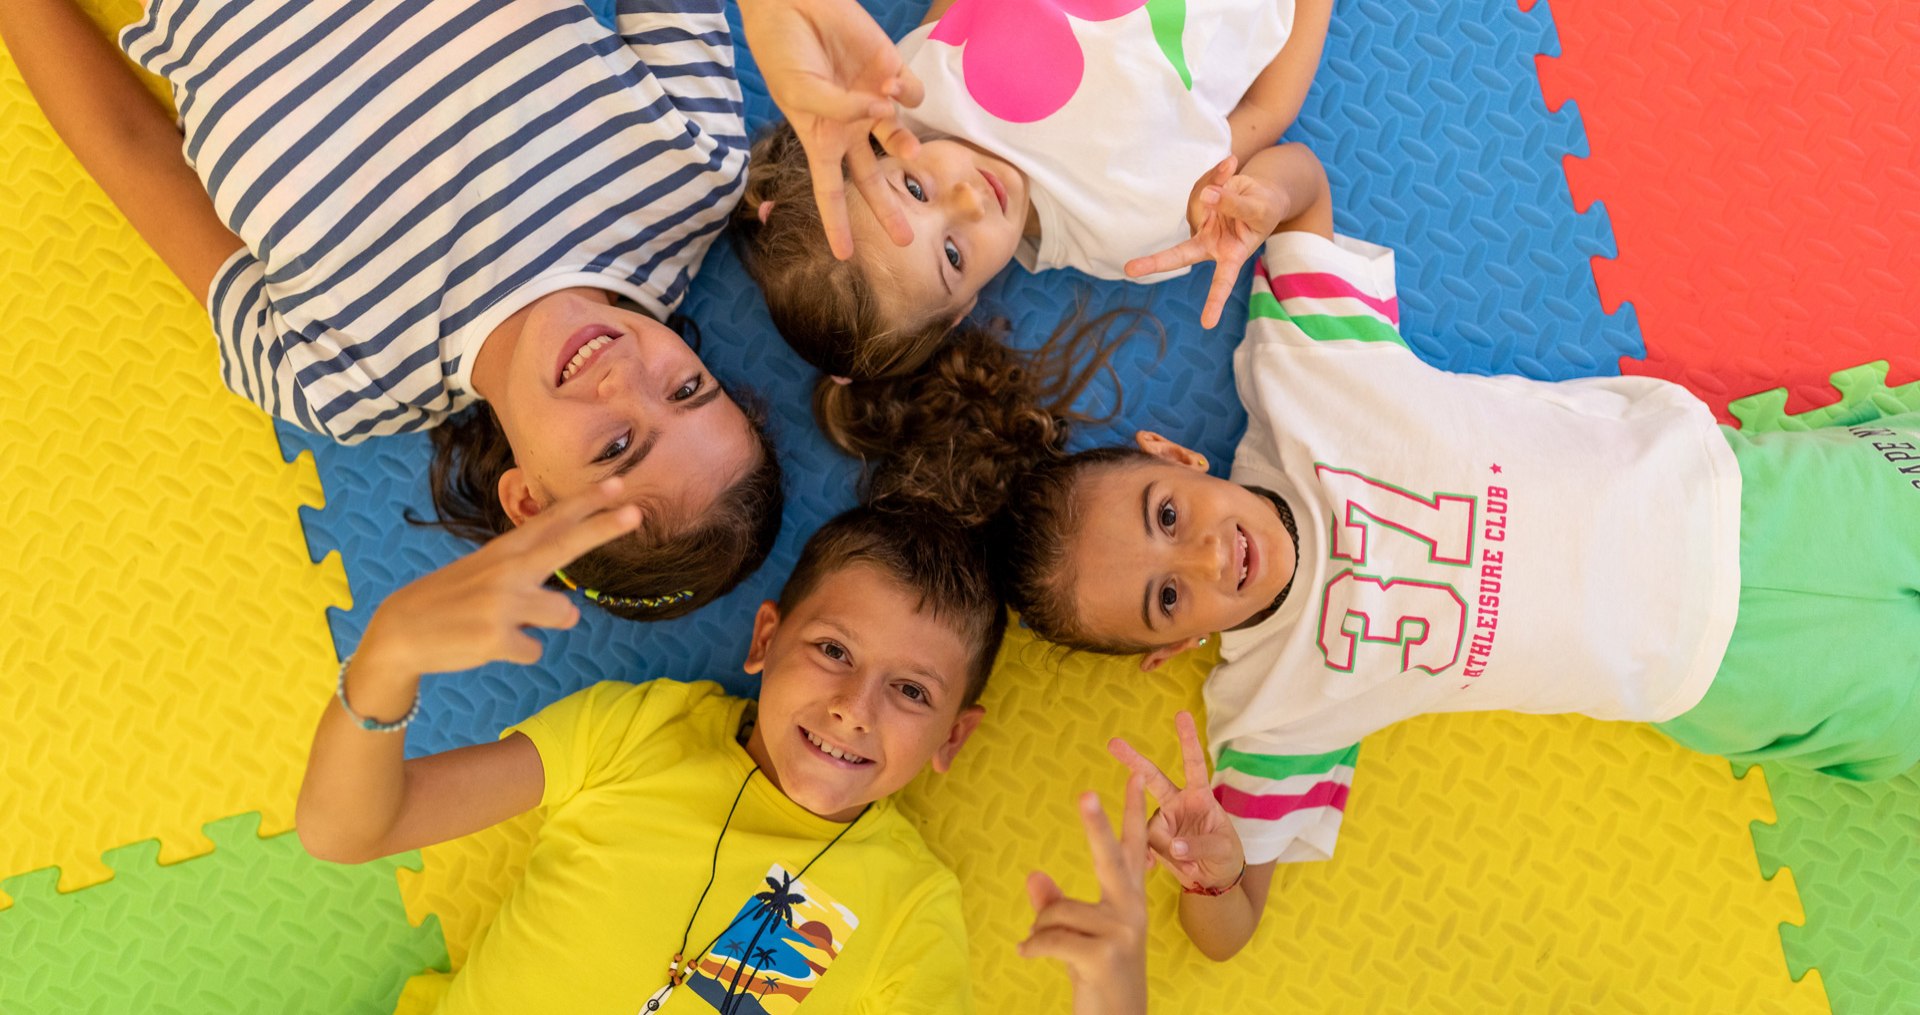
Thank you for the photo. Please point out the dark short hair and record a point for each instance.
(945, 565)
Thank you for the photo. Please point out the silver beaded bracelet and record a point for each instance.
(372, 725)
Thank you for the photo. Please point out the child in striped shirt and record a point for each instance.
(1396, 540)
(470, 215)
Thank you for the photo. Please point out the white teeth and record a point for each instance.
(1241, 539)
(831, 751)
(586, 353)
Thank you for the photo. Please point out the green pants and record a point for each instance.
(1823, 670)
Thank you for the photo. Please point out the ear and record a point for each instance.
(518, 496)
(963, 726)
(1153, 660)
(1167, 451)
(765, 622)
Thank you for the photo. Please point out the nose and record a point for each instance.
(966, 201)
(620, 378)
(1203, 559)
(854, 705)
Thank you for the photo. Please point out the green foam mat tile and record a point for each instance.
(257, 926)
(1854, 848)
(1864, 395)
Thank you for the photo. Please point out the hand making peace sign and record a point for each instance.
(1104, 943)
(477, 609)
(1190, 833)
(1230, 215)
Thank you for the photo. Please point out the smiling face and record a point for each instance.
(585, 390)
(859, 691)
(968, 209)
(1165, 554)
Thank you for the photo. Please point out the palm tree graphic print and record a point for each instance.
(783, 939)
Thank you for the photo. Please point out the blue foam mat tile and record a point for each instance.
(1430, 119)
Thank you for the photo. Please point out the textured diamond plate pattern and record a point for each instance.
(164, 650)
(1854, 849)
(255, 926)
(1489, 863)
(1760, 162)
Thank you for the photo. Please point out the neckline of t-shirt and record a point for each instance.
(765, 793)
(1046, 246)
(467, 342)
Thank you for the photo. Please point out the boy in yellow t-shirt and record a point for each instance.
(700, 853)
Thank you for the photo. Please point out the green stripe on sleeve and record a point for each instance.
(1325, 327)
(1283, 766)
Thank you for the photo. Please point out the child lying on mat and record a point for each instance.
(1129, 140)
(1398, 540)
(702, 852)
(447, 205)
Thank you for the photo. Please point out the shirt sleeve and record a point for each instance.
(1287, 808)
(255, 344)
(925, 968)
(588, 737)
(1309, 289)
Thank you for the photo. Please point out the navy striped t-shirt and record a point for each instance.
(406, 174)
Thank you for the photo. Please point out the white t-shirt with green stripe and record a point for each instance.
(1467, 543)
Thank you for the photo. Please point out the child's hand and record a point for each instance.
(1190, 833)
(1231, 215)
(836, 75)
(475, 610)
(1104, 943)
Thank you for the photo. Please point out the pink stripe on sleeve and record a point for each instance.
(1273, 807)
(1321, 285)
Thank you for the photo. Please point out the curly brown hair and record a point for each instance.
(979, 437)
(825, 308)
(732, 539)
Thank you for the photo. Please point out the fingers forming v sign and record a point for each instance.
(1190, 833)
(1103, 944)
(1236, 214)
(836, 76)
(477, 609)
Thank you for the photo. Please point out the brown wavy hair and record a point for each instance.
(979, 437)
(824, 307)
(942, 563)
(731, 540)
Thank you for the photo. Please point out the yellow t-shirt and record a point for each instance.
(638, 781)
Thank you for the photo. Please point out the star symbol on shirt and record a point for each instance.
(1496, 469)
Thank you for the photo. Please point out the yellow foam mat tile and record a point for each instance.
(166, 649)
(1490, 863)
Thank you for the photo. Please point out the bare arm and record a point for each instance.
(1274, 99)
(123, 137)
(1221, 925)
(361, 799)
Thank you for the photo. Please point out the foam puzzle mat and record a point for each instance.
(171, 632)
(257, 925)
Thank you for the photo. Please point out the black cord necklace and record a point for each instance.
(676, 972)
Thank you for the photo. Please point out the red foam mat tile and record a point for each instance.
(1760, 163)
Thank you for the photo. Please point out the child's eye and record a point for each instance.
(615, 449)
(1169, 598)
(1168, 515)
(834, 650)
(914, 692)
(913, 188)
(953, 256)
(687, 390)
